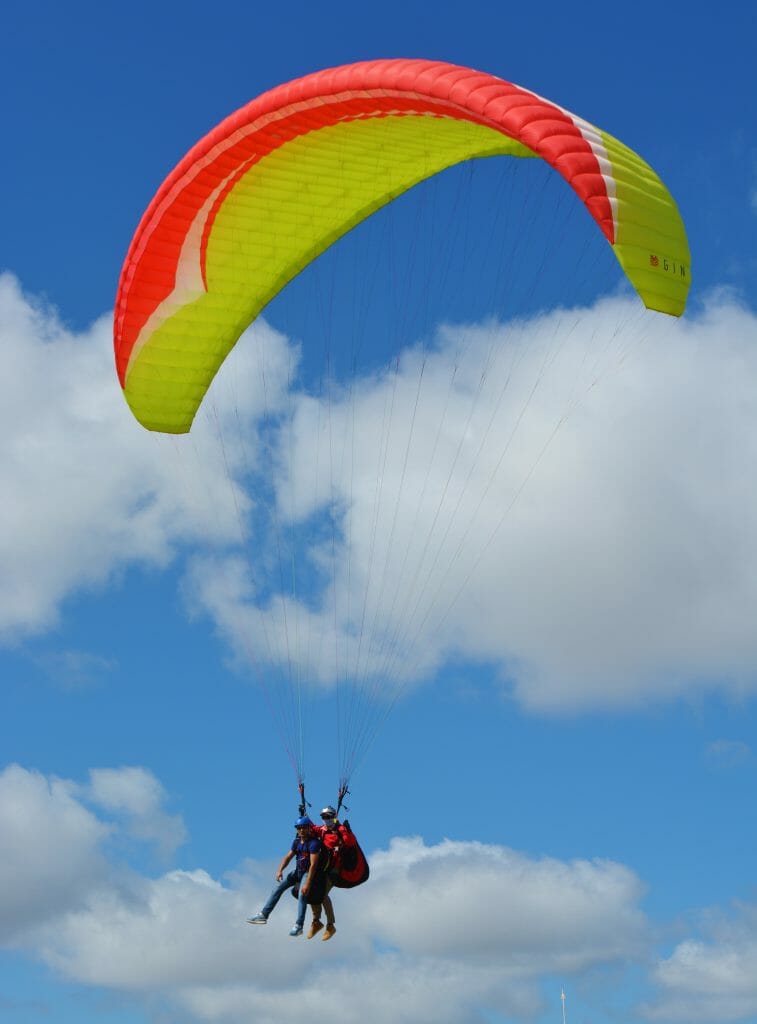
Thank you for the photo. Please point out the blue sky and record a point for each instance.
(562, 795)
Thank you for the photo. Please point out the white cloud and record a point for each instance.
(541, 914)
(186, 929)
(449, 927)
(606, 565)
(53, 848)
(437, 932)
(86, 491)
(391, 989)
(713, 980)
(153, 934)
(137, 794)
(49, 850)
(597, 552)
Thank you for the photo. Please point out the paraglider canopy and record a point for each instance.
(280, 180)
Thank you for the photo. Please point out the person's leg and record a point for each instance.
(316, 924)
(302, 906)
(329, 908)
(286, 883)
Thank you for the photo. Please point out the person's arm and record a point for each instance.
(285, 860)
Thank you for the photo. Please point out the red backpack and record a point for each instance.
(352, 868)
(348, 866)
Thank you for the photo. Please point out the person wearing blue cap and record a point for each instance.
(306, 849)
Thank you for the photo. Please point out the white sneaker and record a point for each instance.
(257, 919)
(296, 929)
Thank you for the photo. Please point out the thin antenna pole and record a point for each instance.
(562, 997)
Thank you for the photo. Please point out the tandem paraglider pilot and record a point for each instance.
(305, 850)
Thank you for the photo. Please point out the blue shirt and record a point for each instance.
(302, 848)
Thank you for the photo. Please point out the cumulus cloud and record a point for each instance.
(523, 494)
(50, 850)
(152, 934)
(554, 916)
(389, 990)
(86, 491)
(438, 931)
(506, 496)
(54, 847)
(138, 796)
(425, 922)
(543, 914)
(711, 979)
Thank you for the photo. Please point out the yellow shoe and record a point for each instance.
(330, 929)
(315, 927)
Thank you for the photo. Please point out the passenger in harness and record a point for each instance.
(331, 839)
(347, 864)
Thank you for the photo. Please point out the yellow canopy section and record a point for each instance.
(286, 210)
